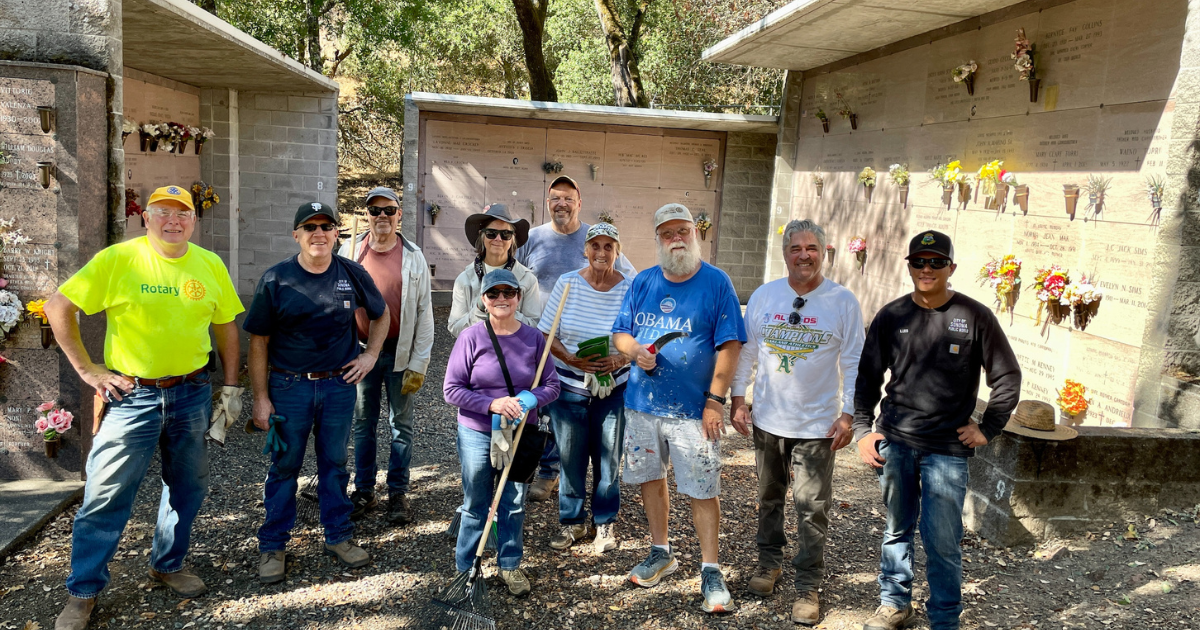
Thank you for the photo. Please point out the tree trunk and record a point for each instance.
(312, 23)
(531, 15)
(622, 53)
(208, 5)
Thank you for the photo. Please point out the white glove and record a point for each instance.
(501, 444)
(605, 390)
(589, 381)
(225, 412)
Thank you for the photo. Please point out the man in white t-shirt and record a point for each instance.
(805, 332)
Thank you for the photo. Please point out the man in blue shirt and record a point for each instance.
(675, 404)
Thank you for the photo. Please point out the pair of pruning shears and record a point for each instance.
(662, 341)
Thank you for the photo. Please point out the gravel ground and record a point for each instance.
(1114, 578)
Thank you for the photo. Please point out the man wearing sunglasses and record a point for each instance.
(305, 360)
(934, 341)
(160, 295)
(805, 333)
(402, 276)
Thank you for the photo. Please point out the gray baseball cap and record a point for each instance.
(671, 212)
(382, 191)
(499, 277)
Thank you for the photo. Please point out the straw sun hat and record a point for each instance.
(1034, 418)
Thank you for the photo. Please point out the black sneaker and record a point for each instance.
(363, 503)
(398, 510)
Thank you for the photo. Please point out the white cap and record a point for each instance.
(672, 212)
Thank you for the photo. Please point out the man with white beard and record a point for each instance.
(675, 404)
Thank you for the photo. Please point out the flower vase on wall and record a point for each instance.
(1071, 197)
(869, 192)
(52, 447)
(904, 196)
(948, 195)
(1021, 197)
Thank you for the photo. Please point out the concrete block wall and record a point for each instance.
(784, 165)
(745, 209)
(214, 170)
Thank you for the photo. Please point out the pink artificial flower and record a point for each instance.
(42, 425)
(60, 420)
(46, 406)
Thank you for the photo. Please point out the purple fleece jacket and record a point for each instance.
(474, 379)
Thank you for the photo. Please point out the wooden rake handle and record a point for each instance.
(537, 377)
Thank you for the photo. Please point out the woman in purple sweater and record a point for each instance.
(475, 384)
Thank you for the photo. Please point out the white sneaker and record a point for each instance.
(606, 537)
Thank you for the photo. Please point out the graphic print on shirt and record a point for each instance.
(789, 343)
(959, 325)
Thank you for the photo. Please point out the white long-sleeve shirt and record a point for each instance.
(806, 372)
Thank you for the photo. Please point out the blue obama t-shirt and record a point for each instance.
(309, 317)
(707, 309)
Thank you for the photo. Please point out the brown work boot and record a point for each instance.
(807, 609)
(348, 554)
(75, 614)
(889, 618)
(763, 581)
(185, 583)
(272, 566)
(540, 489)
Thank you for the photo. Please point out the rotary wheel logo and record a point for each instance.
(193, 289)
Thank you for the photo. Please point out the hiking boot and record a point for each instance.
(570, 534)
(606, 537)
(75, 614)
(348, 554)
(398, 510)
(890, 618)
(516, 581)
(807, 609)
(763, 581)
(716, 596)
(540, 489)
(363, 503)
(271, 567)
(654, 568)
(185, 583)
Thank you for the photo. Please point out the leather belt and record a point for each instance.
(311, 376)
(165, 382)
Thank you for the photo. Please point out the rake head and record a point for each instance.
(464, 602)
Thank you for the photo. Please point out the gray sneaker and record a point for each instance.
(716, 596)
(570, 534)
(651, 570)
(889, 618)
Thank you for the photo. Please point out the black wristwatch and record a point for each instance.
(711, 396)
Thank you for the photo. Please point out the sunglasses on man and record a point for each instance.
(313, 227)
(934, 263)
(388, 210)
(797, 304)
(504, 235)
(494, 294)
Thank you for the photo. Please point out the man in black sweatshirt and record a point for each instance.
(934, 341)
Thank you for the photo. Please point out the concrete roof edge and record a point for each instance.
(191, 12)
(782, 14)
(430, 101)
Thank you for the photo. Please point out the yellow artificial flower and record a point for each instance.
(37, 308)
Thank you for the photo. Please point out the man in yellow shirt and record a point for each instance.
(160, 294)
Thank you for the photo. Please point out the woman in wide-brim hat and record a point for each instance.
(496, 237)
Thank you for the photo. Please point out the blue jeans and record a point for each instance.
(174, 420)
(551, 458)
(934, 487)
(589, 430)
(323, 408)
(478, 477)
(366, 421)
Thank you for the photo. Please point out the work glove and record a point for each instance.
(502, 437)
(411, 382)
(592, 384)
(225, 413)
(528, 401)
(274, 442)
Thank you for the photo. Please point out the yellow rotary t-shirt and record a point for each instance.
(159, 309)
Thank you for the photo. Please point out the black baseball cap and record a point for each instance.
(307, 211)
(931, 241)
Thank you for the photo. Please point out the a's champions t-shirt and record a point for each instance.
(158, 309)
(706, 307)
(309, 317)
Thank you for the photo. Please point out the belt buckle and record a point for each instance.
(311, 376)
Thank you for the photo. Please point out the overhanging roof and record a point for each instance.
(806, 34)
(599, 114)
(180, 41)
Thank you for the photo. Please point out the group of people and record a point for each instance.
(642, 367)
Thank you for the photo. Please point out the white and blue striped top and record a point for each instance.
(588, 314)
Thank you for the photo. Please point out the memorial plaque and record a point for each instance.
(578, 151)
(35, 212)
(1062, 141)
(1118, 258)
(893, 93)
(1042, 355)
(632, 210)
(683, 162)
(1109, 371)
(946, 100)
(454, 146)
(992, 139)
(19, 100)
(809, 153)
(512, 152)
(932, 218)
(939, 144)
(458, 190)
(446, 248)
(813, 97)
(1041, 242)
(31, 270)
(27, 380)
(632, 159)
(1127, 133)
(1072, 51)
(525, 198)
(999, 90)
(980, 237)
(1147, 48)
(24, 152)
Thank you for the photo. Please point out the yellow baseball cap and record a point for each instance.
(176, 193)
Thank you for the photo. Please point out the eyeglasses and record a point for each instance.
(494, 294)
(504, 235)
(556, 200)
(669, 235)
(313, 227)
(797, 304)
(182, 215)
(388, 210)
(934, 263)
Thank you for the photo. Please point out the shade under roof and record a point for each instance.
(806, 34)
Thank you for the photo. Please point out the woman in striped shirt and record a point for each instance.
(588, 418)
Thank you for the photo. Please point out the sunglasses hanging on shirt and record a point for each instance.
(797, 304)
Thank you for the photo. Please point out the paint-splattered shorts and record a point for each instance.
(651, 441)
